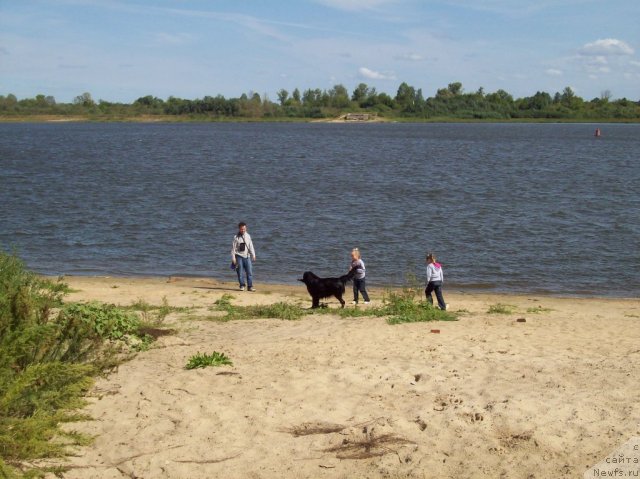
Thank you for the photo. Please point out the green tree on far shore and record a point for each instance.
(409, 102)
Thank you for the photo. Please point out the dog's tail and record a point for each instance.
(348, 277)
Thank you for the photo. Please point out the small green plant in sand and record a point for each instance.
(539, 309)
(200, 360)
(501, 308)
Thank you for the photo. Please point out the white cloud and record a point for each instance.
(374, 75)
(595, 64)
(635, 63)
(606, 47)
(603, 56)
(554, 72)
(355, 5)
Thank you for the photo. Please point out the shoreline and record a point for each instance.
(451, 288)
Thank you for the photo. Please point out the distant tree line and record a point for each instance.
(451, 102)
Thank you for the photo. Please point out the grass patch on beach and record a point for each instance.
(397, 307)
(353, 312)
(501, 308)
(49, 353)
(200, 360)
(224, 301)
(401, 307)
(279, 310)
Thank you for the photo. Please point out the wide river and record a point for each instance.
(543, 208)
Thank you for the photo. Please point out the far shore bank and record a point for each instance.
(339, 120)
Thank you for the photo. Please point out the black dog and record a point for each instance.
(326, 287)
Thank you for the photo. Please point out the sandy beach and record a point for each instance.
(325, 396)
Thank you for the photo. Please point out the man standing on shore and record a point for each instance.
(242, 253)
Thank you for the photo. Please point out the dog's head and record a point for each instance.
(349, 276)
(307, 277)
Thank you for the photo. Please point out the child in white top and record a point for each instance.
(435, 278)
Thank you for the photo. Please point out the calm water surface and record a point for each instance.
(507, 207)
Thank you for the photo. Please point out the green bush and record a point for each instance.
(49, 353)
(107, 321)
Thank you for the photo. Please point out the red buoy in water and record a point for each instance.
(597, 133)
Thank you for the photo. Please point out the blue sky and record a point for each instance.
(122, 49)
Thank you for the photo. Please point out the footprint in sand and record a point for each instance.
(443, 402)
(473, 417)
(420, 422)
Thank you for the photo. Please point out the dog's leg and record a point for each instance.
(339, 296)
(315, 303)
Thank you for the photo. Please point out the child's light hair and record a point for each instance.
(431, 257)
(356, 252)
